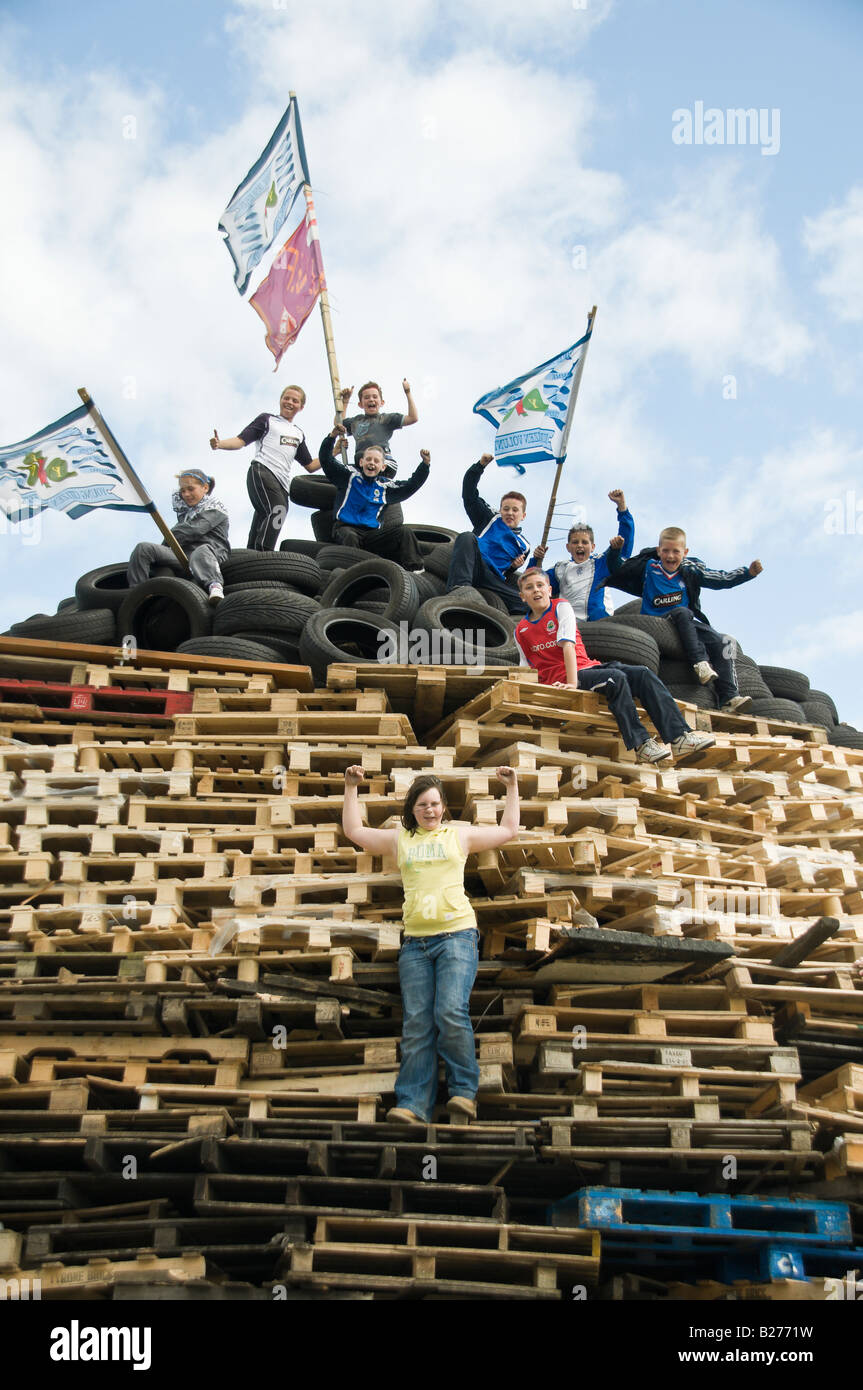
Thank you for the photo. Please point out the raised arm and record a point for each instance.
(397, 492)
(413, 414)
(479, 512)
(233, 443)
(376, 841)
(478, 837)
(723, 579)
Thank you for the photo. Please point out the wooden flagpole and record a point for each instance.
(564, 438)
(128, 470)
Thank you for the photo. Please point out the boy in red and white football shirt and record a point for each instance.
(548, 640)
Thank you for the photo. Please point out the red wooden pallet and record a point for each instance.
(109, 702)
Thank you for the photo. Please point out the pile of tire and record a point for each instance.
(315, 603)
(777, 692)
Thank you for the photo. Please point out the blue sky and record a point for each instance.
(461, 154)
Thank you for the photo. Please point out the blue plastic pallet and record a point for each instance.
(682, 1221)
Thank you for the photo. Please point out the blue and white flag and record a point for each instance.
(262, 203)
(67, 467)
(530, 413)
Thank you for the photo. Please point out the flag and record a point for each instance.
(262, 203)
(286, 298)
(530, 413)
(67, 467)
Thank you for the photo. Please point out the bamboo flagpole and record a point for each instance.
(128, 470)
(564, 438)
(323, 298)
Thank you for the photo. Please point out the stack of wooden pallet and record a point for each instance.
(199, 1004)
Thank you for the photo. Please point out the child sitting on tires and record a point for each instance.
(201, 530)
(548, 640)
(488, 556)
(580, 578)
(362, 493)
(669, 581)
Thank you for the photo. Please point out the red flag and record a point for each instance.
(287, 296)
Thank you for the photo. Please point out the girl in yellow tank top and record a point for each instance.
(440, 951)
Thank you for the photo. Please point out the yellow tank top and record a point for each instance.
(432, 868)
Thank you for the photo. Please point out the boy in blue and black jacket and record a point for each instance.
(489, 556)
(362, 492)
(669, 580)
(581, 579)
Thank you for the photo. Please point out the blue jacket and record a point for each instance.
(599, 603)
(499, 544)
(693, 572)
(360, 500)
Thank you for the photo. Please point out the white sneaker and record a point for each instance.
(652, 751)
(736, 705)
(216, 593)
(691, 742)
(704, 671)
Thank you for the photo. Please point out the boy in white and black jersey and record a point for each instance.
(280, 445)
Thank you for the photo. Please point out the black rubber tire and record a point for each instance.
(302, 572)
(427, 535)
(462, 615)
(299, 545)
(287, 649)
(341, 557)
(105, 587)
(317, 492)
(322, 527)
(391, 516)
(348, 587)
(493, 600)
(94, 625)
(661, 630)
(437, 561)
(816, 712)
(429, 586)
(846, 736)
(750, 680)
(701, 695)
(785, 684)
(237, 647)
(677, 672)
(162, 613)
(825, 699)
(344, 634)
(68, 605)
(263, 610)
(607, 640)
(776, 708)
(633, 605)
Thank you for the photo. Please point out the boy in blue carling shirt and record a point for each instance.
(362, 492)
(669, 581)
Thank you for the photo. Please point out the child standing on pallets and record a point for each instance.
(439, 956)
(669, 581)
(201, 530)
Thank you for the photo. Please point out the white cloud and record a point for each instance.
(836, 237)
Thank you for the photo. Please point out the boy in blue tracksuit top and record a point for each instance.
(489, 556)
(669, 580)
(362, 492)
(581, 579)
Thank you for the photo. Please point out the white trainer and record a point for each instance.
(736, 705)
(705, 672)
(652, 751)
(691, 742)
(216, 593)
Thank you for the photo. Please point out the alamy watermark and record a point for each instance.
(417, 647)
(843, 516)
(736, 126)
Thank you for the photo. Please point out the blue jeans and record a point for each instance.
(618, 684)
(436, 974)
(468, 566)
